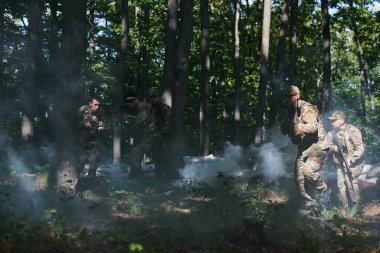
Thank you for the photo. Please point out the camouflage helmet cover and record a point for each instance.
(337, 115)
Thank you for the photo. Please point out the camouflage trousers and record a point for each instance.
(348, 189)
(89, 153)
(142, 146)
(308, 171)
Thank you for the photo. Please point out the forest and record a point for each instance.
(222, 66)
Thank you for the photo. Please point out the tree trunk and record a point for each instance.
(121, 77)
(65, 172)
(53, 36)
(205, 79)
(259, 135)
(2, 50)
(278, 81)
(327, 91)
(137, 51)
(237, 72)
(362, 65)
(28, 91)
(293, 43)
(180, 82)
(91, 18)
(145, 54)
(170, 49)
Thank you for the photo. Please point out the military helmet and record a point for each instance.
(337, 115)
(292, 90)
(154, 92)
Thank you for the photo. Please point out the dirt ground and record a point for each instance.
(118, 214)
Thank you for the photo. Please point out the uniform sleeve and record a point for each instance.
(357, 152)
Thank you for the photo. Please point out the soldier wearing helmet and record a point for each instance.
(350, 139)
(304, 127)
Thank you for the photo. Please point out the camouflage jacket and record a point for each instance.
(96, 120)
(162, 114)
(351, 140)
(303, 125)
(141, 120)
(318, 151)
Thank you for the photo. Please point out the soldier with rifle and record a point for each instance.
(91, 123)
(304, 127)
(348, 157)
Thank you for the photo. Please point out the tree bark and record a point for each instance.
(293, 43)
(259, 135)
(327, 91)
(65, 172)
(121, 77)
(237, 72)
(279, 80)
(137, 52)
(170, 49)
(145, 55)
(205, 79)
(91, 21)
(180, 81)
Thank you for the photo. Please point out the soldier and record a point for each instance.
(303, 125)
(348, 157)
(91, 123)
(141, 127)
(162, 114)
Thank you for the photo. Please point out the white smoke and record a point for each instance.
(271, 161)
(207, 168)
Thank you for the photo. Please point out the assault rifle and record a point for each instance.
(343, 156)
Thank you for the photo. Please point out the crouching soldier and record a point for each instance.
(91, 123)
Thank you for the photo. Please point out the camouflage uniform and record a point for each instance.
(310, 163)
(89, 138)
(350, 138)
(141, 127)
(162, 114)
(304, 127)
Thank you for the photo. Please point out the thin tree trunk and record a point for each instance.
(293, 43)
(137, 51)
(91, 21)
(170, 49)
(327, 91)
(259, 135)
(237, 72)
(145, 54)
(2, 66)
(205, 79)
(180, 81)
(65, 172)
(121, 77)
(278, 81)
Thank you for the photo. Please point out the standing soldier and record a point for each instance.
(91, 123)
(141, 127)
(162, 114)
(303, 125)
(348, 157)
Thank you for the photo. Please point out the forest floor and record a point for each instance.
(118, 214)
